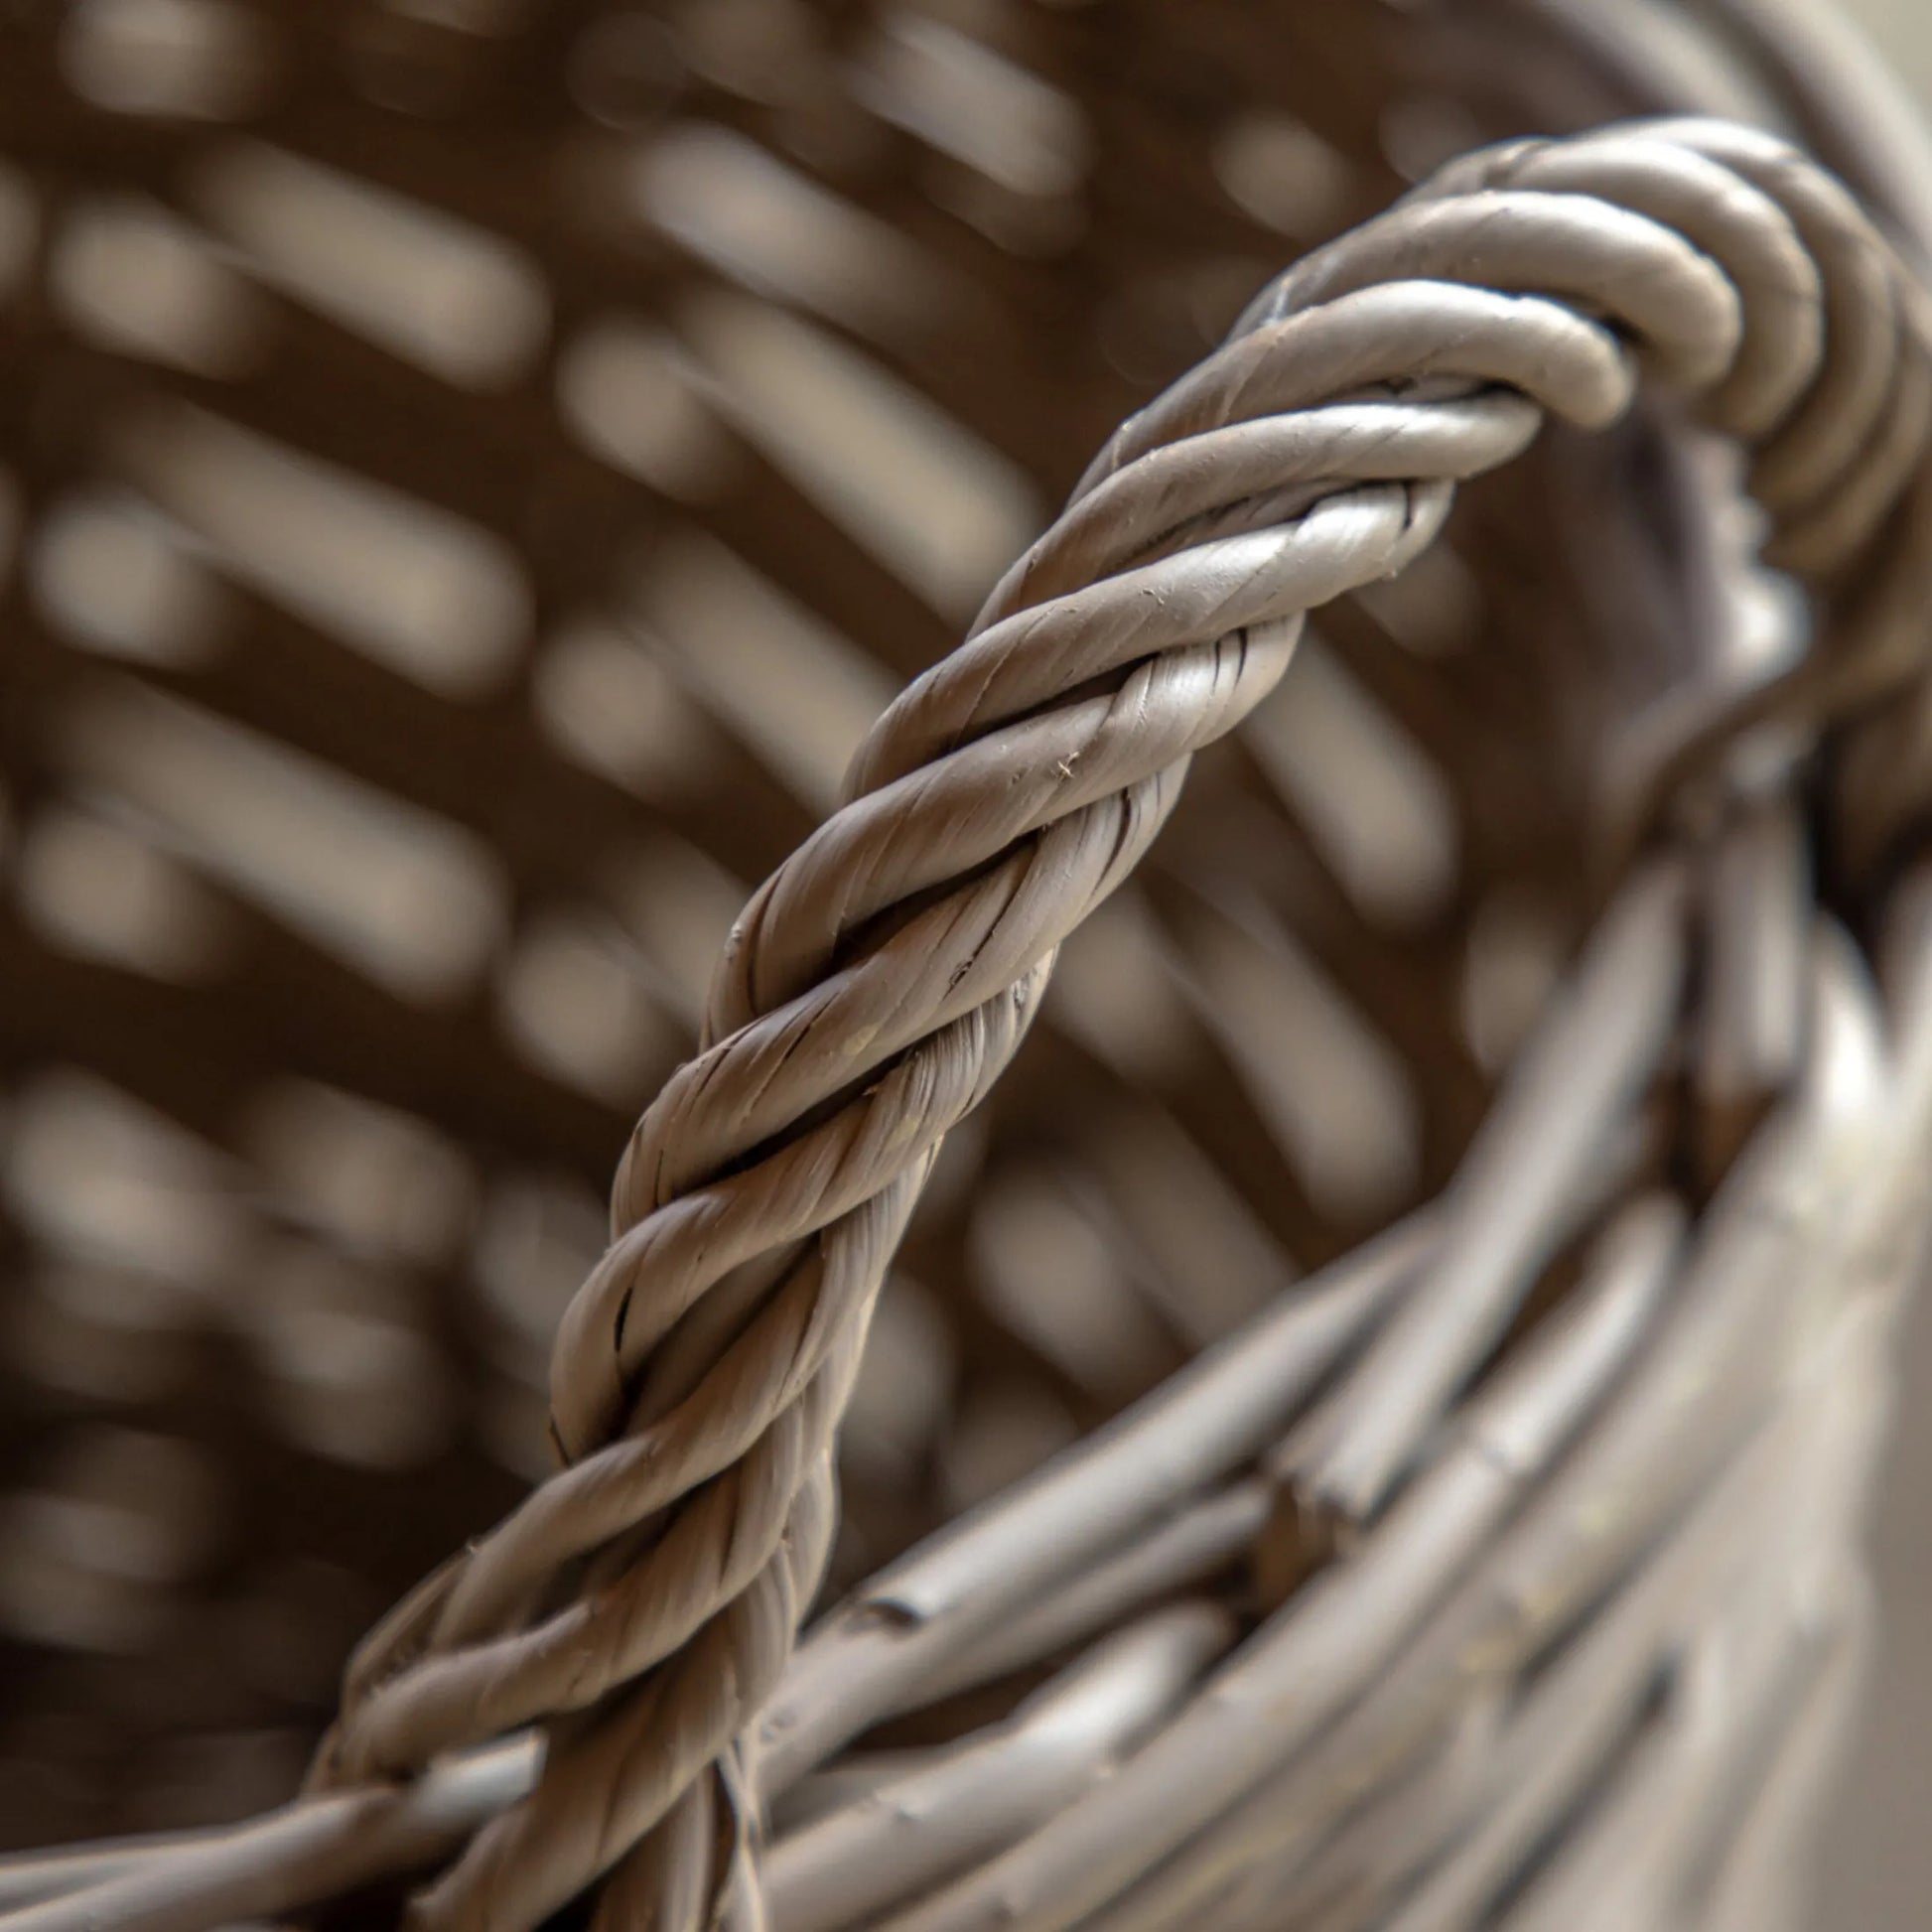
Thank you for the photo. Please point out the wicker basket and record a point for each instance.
(1368, 1420)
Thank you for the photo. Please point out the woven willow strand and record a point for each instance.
(643, 1600)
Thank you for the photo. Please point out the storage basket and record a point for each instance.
(1368, 1421)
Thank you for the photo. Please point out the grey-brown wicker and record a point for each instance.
(475, 471)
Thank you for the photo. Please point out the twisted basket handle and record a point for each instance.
(642, 1602)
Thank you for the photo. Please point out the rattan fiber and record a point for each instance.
(1507, 1078)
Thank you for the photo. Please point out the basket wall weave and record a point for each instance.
(471, 476)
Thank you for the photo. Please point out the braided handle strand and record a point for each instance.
(642, 1603)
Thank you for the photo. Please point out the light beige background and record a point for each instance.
(1904, 28)
(1877, 1858)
